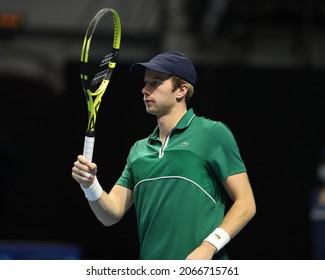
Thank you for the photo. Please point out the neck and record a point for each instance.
(167, 122)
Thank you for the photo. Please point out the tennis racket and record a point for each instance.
(99, 55)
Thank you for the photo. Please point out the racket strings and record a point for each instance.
(101, 52)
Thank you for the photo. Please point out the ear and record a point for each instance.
(181, 91)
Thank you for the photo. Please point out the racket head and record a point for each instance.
(99, 55)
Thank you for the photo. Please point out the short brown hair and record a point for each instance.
(178, 82)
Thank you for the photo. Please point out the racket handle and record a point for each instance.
(89, 147)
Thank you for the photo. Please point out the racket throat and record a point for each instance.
(90, 134)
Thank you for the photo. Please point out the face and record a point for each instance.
(158, 95)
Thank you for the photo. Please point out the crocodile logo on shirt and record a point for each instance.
(184, 144)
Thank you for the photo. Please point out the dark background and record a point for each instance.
(261, 72)
(275, 114)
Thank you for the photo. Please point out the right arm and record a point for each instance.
(110, 207)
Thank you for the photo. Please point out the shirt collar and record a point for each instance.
(183, 123)
(185, 120)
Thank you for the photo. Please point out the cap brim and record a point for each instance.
(141, 68)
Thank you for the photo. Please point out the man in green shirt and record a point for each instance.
(179, 177)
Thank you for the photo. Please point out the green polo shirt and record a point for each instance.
(178, 193)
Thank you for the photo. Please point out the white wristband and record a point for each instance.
(218, 238)
(94, 192)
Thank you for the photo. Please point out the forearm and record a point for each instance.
(110, 207)
(105, 210)
(240, 213)
(243, 208)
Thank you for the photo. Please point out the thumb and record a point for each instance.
(92, 167)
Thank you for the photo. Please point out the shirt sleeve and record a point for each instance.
(224, 156)
(126, 179)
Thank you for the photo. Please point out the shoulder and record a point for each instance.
(214, 131)
(211, 125)
(140, 143)
(137, 149)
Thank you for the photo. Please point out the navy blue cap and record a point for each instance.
(172, 63)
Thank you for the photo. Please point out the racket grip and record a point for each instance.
(89, 147)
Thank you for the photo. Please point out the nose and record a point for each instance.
(145, 91)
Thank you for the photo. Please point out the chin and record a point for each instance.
(151, 111)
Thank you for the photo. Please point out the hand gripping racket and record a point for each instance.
(99, 54)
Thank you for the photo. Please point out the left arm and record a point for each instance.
(243, 208)
(241, 212)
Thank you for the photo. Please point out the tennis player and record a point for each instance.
(180, 177)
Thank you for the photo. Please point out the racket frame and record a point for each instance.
(94, 97)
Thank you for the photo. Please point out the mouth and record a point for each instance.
(148, 101)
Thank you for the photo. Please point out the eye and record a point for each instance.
(153, 83)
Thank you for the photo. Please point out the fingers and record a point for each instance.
(84, 171)
(80, 174)
(84, 161)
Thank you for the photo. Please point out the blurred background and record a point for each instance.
(260, 70)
